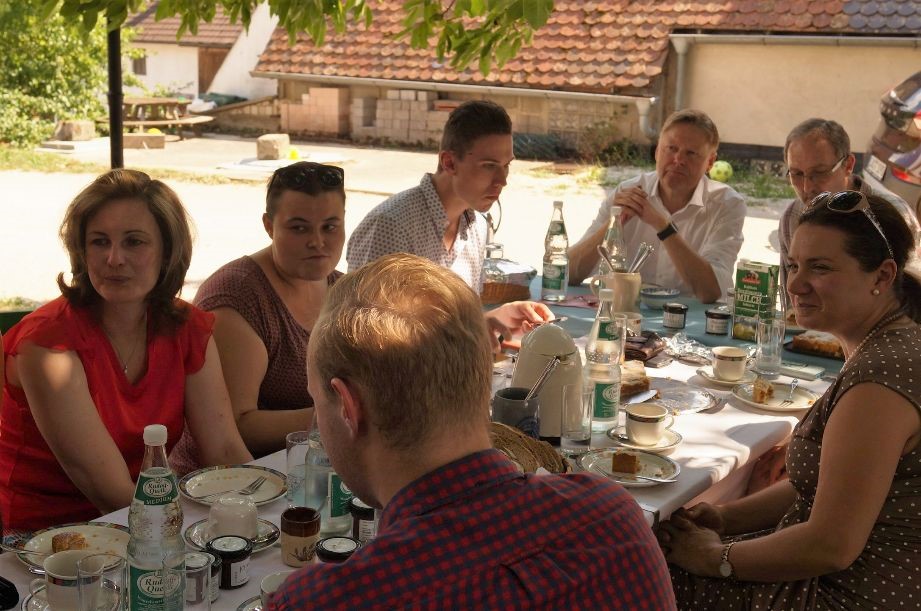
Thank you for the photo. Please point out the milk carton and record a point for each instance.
(755, 297)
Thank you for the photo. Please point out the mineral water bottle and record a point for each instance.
(603, 337)
(324, 489)
(556, 261)
(614, 242)
(602, 364)
(154, 524)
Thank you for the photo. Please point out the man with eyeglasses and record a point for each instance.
(819, 159)
(695, 223)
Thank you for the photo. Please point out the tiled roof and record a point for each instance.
(614, 46)
(218, 33)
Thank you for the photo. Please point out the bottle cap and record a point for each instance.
(607, 294)
(155, 435)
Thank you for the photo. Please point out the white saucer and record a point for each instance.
(670, 440)
(707, 374)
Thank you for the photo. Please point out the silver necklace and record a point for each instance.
(134, 347)
(876, 329)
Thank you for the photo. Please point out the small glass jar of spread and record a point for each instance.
(364, 525)
(234, 553)
(674, 315)
(718, 321)
(336, 549)
(195, 562)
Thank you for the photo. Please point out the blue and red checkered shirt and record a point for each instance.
(477, 534)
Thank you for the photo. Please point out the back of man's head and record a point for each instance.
(411, 336)
(471, 120)
(826, 129)
(698, 119)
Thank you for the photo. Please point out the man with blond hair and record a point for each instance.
(694, 223)
(399, 366)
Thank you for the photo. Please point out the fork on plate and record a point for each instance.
(789, 400)
(246, 490)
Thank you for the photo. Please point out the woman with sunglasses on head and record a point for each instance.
(265, 305)
(845, 531)
(118, 351)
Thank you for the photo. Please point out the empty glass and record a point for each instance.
(101, 581)
(770, 345)
(576, 423)
(296, 444)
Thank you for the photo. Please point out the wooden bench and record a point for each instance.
(144, 113)
(195, 121)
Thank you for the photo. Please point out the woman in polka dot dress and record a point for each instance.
(845, 531)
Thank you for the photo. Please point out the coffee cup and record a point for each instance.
(729, 363)
(62, 586)
(626, 287)
(233, 514)
(269, 584)
(646, 423)
(300, 530)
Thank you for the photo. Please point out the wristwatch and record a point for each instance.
(726, 568)
(670, 230)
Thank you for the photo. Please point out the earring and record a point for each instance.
(875, 291)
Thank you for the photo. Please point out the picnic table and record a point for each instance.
(147, 112)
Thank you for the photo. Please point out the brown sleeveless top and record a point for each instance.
(242, 286)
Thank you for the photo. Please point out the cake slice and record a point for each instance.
(762, 390)
(625, 462)
(633, 379)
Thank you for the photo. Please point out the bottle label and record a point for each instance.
(609, 331)
(150, 592)
(606, 398)
(339, 496)
(554, 277)
(156, 490)
(556, 228)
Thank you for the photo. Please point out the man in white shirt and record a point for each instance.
(694, 223)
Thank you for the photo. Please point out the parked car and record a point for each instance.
(893, 158)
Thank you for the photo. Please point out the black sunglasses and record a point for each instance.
(305, 174)
(851, 201)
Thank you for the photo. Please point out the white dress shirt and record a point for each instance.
(711, 224)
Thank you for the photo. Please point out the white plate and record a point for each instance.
(670, 440)
(197, 535)
(651, 465)
(707, 374)
(232, 477)
(101, 538)
(682, 398)
(803, 398)
(39, 601)
(251, 604)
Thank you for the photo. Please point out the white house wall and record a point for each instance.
(171, 66)
(233, 76)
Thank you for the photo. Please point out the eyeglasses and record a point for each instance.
(306, 175)
(797, 176)
(851, 201)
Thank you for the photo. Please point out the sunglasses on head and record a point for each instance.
(851, 201)
(303, 175)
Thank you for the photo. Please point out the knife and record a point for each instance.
(640, 397)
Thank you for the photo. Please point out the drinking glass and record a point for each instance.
(102, 581)
(576, 423)
(187, 581)
(770, 345)
(296, 444)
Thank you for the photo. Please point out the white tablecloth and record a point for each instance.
(716, 455)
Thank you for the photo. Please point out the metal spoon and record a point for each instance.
(636, 257)
(543, 377)
(606, 255)
(644, 254)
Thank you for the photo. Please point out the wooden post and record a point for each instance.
(116, 149)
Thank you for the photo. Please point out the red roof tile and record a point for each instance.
(612, 46)
(220, 32)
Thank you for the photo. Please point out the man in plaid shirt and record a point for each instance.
(399, 365)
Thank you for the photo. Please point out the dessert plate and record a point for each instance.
(213, 480)
(803, 398)
(251, 604)
(38, 600)
(197, 535)
(682, 398)
(707, 374)
(101, 538)
(669, 441)
(651, 465)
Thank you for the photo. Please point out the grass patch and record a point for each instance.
(761, 185)
(25, 160)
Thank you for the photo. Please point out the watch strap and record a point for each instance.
(669, 231)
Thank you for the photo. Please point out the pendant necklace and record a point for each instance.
(124, 362)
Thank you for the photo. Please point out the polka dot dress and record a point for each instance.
(887, 574)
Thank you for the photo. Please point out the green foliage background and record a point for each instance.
(49, 70)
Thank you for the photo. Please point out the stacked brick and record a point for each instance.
(325, 110)
(403, 115)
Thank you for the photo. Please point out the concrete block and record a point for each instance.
(144, 141)
(75, 131)
(393, 94)
(426, 95)
(401, 114)
(273, 146)
(407, 94)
